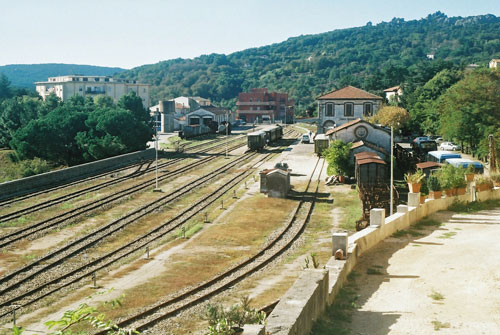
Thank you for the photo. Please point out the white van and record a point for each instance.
(306, 139)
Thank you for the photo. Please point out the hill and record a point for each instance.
(372, 57)
(24, 75)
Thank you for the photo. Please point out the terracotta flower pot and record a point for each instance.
(469, 176)
(461, 191)
(414, 188)
(422, 198)
(449, 192)
(496, 183)
(435, 195)
(483, 187)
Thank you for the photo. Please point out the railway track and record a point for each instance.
(149, 169)
(65, 217)
(22, 290)
(152, 316)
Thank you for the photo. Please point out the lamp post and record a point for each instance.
(156, 152)
(392, 173)
(227, 130)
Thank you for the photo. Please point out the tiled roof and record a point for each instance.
(392, 89)
(371, 160)
(349, 93)
(345, 125)
(426, 165)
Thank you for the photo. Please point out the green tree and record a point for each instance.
(470, 109)
(339, 159)
(15, 113)
(5, 89)
(391, 116)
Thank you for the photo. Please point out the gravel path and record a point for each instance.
(445, 282)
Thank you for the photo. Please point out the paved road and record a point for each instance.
(459, 261)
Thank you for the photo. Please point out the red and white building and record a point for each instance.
(259, 105)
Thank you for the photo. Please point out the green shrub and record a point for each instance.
(339, 159)
(433, 184)
(221, 321)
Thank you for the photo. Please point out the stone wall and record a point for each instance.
(295, 312)
(45, 180)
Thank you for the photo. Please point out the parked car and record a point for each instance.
(449, 146)
(306, 139)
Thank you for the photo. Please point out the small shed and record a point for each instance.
(263, 180)
(278, 183)
(370, 168)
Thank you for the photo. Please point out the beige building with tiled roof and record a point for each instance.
(347, 104)
(495, 64)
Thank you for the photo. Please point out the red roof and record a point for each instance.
(345, 125)
(392, 89)
(362, 155)
(426, 165)
(349, 93)
(370, 160)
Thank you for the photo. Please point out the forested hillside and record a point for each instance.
(24, 75)
(373, 57)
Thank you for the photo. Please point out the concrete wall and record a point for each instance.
(45, 180)
(301, 304)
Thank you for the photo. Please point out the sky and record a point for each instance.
(125, 33)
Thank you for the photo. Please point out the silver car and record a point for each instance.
(449, 146)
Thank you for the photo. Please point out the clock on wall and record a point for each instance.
(361, 132)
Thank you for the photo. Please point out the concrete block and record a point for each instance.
(339, 241)
(402, 209)
(377, 217)
(254, 330)
(413, 199)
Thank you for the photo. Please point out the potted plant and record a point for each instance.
(496, 179)
(445, 176)
(484, 184)
(459, 182)
(414, 181)
(434, 187)
(469, 173)
(424, 192)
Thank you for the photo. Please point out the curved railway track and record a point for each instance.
(30, 292)
(280, 243)
(149, 169)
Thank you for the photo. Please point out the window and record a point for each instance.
(96, 79)
(330, 109)
(258, 99)
(251, 99)
(106, 79)
(251, 108)
(85, 79)
(348, 109)
(368, 109)
(258, 108)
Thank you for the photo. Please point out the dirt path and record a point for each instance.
(446, 281)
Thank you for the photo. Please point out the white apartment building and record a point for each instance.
(67, 86)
